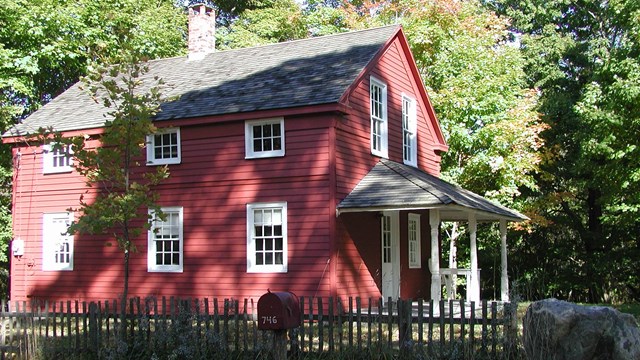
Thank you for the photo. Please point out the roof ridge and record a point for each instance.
(348, 32)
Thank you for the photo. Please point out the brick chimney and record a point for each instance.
(202, 31)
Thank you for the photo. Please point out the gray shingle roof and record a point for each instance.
(390, 185)
(291, 74)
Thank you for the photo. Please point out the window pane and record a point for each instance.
(279, 259)
(257, 131)
(268, 258)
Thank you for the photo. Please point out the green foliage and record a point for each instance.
(584, 60)
(275, 21)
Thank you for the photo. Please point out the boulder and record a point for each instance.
(560, 330)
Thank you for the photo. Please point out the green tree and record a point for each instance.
(267, 23)
(115, 169)
(583, 57)
(46, 46)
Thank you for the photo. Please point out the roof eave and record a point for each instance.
(446, 210)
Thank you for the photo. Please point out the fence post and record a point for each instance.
(93, 327)
(510, 327)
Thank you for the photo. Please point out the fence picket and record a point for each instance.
(76, 328)
(320, 326)
(331, 320)
(340, 322)
(494, 325)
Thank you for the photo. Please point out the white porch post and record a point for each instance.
(473, 288)
(434, 262)
(504, 277)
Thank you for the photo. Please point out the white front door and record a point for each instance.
(390, 255)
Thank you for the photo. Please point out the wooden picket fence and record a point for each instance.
(213, 328)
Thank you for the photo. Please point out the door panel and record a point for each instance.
(390, 255)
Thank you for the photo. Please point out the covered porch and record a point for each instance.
(390, 188)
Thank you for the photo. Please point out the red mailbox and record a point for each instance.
(279, 311)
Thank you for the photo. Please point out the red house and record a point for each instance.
(310, 166)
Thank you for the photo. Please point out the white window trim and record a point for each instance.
(418, 263)
(48, 245)
(384, 141)
(151, 249)
(47, 160)
(150, 143)
(251, 246)
(248, 139)
(413, 128)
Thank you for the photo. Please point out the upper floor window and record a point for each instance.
(378, 103)
(57, 245)
(264, 138)
(163, 147)
(166, 241)
(414, 241)
(56, 159)
(409, 131)
(267, 237)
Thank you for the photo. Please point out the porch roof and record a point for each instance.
(394, 186)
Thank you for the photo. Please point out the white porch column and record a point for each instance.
(434, 262)
(473, 288)
(504, 277)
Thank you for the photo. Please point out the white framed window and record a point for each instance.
(409, 131)
(264, 138)
(166, 241)
(267, 237)
(378, 111)
(415, 262)
(57, 245)
(56, 159)
(163, 147)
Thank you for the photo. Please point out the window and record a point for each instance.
(166, 241)
(378, 97)
(267, 237)
(57, 246)
(409, 129)
(163, 147)
(56, 159)
(264, 138)
(414, 241)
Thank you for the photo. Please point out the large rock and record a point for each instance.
(559, 330)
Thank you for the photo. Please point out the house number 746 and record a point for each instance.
(269, 320)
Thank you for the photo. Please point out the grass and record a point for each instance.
(629, 308)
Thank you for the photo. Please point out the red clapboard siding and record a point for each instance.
(213, 184)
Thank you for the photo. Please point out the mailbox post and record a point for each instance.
(279, 312)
